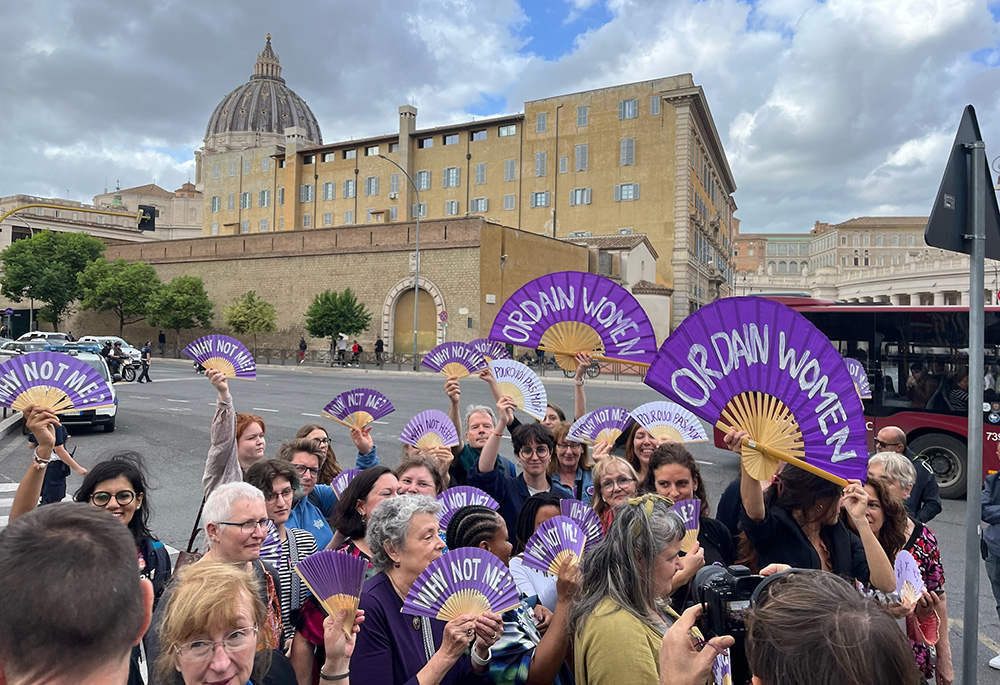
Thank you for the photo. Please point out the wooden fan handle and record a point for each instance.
(794, 461)
(598, 357)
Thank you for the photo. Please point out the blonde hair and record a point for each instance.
(600, 471)
(560, 431)
(203, 596)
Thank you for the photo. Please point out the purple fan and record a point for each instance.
(671, 421)
(53, 380)
(570, 312)
(357, 408)
(553, 542)
(490, 349)
(431, 428)
(860, 378)
(454, 359)
(585, 517)
(754, 364)
(909, 579)
(600, 425)
(342, 480)
(270, 548)
(722, 669)
(335, 579)
(463, 581)
(517, 380)
(690, 512)
(455, 498)
(225, 354)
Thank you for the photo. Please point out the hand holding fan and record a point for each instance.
(54, 381)
(573, 311)
(335, 579)
(342, 480)
(601, 425)
(431, 428)
(553, 542)
(584, 516)
(357, 408)
(860, 378)
(670, 421)
(517, 380)
(690, 512)
(490, 349)
(454, 359)
(455, 498)
(909, 580)
(754, 365)
(224, 354)
(463, 581)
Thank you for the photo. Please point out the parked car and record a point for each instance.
(132, 352)
(48, 336)
(12, 348)
(95, 417)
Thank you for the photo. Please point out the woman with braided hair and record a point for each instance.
(522, 654)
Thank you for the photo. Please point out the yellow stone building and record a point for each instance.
(637, 158)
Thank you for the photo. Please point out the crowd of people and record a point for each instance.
(828, 610)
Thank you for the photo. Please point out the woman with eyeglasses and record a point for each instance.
(212, 633)
(614, 482)
(534, 445)
(572, 465)
(119, 486)
(314, 503)
(331, 468)
(288, 546)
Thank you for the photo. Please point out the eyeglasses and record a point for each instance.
(569, 445)
(622, 483)
(201, 650)
(303, 470)
(101, 498)
(886, 444)
(322, 441)
(285, 494)
(541, 452)
(247, 527)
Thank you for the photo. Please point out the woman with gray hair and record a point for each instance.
(394, 648)
(619, 617)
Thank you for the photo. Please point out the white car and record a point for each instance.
(12, 348)
(132, 352)
(50, 337)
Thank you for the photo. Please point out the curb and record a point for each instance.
(547, 379)
(10, 424)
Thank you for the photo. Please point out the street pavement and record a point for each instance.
(168, 421)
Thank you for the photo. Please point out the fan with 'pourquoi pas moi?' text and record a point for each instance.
(755, 365)
(570, 312)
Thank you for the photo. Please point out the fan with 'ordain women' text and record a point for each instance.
(755, 365)
(572, 311)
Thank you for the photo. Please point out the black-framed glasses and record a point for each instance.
(622, 483)
(322, 441)
(303, 470)
(886, 444)
(541, 452)
(569, 445)
(101, 498)
(247, 527)
(201, 650)
(285, 494)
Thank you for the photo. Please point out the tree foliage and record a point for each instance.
(122, 287)
(332, 314)
(181, 304)
(251, 315)
(46, 267)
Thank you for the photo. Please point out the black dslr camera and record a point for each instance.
(726, 594)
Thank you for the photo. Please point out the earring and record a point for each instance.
(395, 564)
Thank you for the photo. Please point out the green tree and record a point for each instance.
(180, 304)
(251, 315)
(45, 267)
(122, 287)
(332, 314)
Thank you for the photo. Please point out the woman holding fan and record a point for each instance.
(797, 522)
(394, 648)
(536, 510)
(237, 439)
(522, 654)
(639, 446)
(572, 465)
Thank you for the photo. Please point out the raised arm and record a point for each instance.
(505, 414)
(855, 503)
(454, 392)
(222, 455)
(750, 492)
(367, 455)
(583, 361)
(41, 423)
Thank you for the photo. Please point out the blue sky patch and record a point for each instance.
(552, 27)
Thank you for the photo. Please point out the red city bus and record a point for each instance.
(915, 357)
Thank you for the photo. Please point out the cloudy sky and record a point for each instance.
(827, 110)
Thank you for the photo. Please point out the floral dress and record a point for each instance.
(924, 548)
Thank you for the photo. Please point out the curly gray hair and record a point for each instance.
(390, 522)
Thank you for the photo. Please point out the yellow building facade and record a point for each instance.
(637, 158)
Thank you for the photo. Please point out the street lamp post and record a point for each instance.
(416, 271)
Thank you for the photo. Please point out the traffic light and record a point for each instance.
(147, 217)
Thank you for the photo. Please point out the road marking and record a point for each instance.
(3, 521)
(8, 487)
(316, 415)
(959, 627)
(274, 411)
(184, 401)
(707, 463)
(139, 397)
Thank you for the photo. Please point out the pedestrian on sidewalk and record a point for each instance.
(146, 357)
(342, 351)
(302, 349)
(162, 341)
(379, 348)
